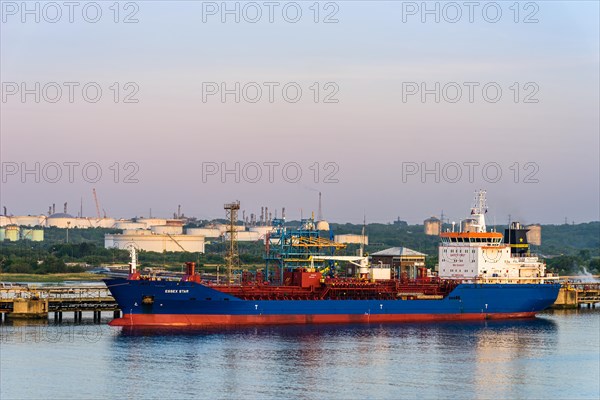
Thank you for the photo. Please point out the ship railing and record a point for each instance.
(527, 258)
(516, 279)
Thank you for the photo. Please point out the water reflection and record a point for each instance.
(324, 331)
(388, 359)
(555, 355)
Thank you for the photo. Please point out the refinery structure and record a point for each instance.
(182, 234)
(160, 234)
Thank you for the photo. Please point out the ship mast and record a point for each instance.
(133, 255)
(478, 211)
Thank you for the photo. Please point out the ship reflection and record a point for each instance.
(387, 359)
(324, 331)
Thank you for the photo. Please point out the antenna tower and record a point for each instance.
(232, 258)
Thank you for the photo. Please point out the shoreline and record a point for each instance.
(78, 276)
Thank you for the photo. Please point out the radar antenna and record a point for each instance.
(479, 210)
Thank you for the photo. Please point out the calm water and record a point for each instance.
(556, 355)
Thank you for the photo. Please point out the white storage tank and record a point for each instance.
(206, 232)
(224, 228)
(432, 226)
(155, 242)
(35, 235)
(62, 220)
(137, 232)
(103, 222)
(126, 224)
(170, 229)
(534, 234)
(150, 222)
(261, 230)
(28, 220)
(245, 236)
(351, 238)
(11, 232)
(322, 225)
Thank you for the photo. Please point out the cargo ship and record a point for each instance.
(481, 275)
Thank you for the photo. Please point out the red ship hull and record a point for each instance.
(246, 320)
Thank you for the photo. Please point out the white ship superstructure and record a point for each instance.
(488, 256)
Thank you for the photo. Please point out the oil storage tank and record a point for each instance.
(167, 229)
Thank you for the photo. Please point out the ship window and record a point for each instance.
(209, 298)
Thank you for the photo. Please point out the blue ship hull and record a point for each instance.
(181, 303)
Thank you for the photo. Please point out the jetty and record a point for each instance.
(31, 302)
(578, 295)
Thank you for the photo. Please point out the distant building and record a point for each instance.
(433, 226)
(402, 260)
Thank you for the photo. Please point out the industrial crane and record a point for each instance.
(98, 205)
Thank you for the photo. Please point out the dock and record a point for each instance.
(578, 295)
(26, 302)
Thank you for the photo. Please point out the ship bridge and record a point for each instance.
(476, 238)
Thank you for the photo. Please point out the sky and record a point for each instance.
(390, 109)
